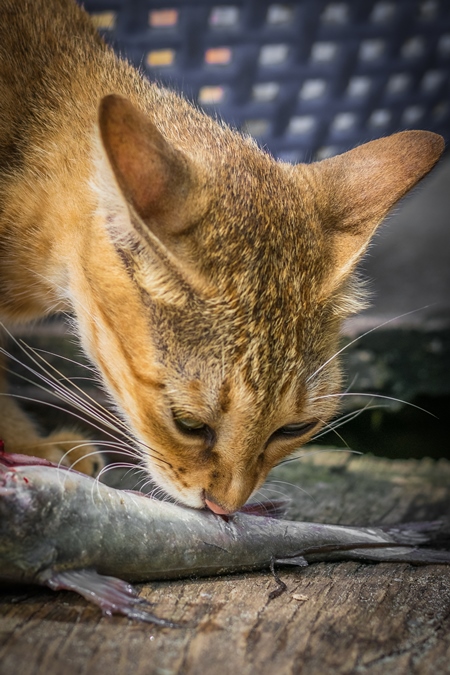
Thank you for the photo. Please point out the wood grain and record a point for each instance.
(335, 618)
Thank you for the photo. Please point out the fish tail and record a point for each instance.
(433, 533)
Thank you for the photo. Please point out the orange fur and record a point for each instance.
(207, 280)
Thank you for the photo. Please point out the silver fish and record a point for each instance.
(65, 530)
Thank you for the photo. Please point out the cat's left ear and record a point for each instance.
(152, 175)
(359, 187)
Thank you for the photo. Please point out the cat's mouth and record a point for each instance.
(216, 508)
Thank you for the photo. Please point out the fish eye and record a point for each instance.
(293, 430)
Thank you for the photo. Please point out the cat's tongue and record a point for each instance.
(215, 508)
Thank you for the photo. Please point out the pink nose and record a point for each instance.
(215, 508)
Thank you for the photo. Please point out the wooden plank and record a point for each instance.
(335, 618)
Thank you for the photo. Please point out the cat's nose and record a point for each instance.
(215, 508)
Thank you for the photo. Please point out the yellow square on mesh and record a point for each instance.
(218, 56)
(161, 57)
(104, 20)
(163, 18)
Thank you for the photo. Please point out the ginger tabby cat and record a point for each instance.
(208, 281)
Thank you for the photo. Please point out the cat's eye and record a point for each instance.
(293, 430)
(192, 426)
(188, 424)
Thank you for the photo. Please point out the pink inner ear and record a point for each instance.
(150, 172)
(143, 171)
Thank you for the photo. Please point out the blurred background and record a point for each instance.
(310, 79)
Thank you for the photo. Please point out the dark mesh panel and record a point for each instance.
(307, 79)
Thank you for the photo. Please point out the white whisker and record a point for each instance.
(118, 465)
(332, 428)
(90, 403)
(387, 398)
(291, 485)
(352, 342)
(345, 419)
(80, 459)
(319, 451)
(57, 389)
(88, 407)
(80, 364)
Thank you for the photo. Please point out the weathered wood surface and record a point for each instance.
(335, 618)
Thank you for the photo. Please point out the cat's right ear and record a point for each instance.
(359, 187)
(153, 176)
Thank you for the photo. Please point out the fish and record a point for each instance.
(62, 529)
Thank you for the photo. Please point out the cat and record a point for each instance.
(207, 280)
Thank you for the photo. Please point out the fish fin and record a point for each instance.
(413, 556)
(281, 586)
(298, 561)
(112, 595)
(432, 533)
(428, 556)
(273, 508)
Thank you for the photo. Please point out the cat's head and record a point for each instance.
(215, 311)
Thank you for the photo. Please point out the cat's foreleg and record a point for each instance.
(21, 435)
